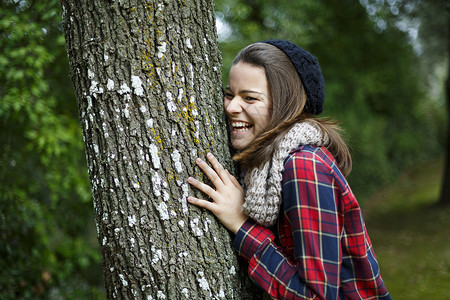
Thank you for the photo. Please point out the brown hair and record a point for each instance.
(288, 99)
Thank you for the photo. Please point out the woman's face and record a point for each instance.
(247, 104)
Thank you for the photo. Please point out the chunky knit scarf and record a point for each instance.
(263, 183)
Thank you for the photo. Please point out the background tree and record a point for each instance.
(147, 78)
(434, 38)
(427, 25)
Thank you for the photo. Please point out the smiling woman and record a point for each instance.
(297, 222)
(247, 104)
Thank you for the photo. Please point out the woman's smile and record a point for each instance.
(239, 126)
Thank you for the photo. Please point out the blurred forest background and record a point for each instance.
(385, 63)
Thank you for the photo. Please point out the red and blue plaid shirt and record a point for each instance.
(319, 248)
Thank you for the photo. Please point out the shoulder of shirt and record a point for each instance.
(318, 154)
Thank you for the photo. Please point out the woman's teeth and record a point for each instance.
(241, 126)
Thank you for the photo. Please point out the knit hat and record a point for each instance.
(308, 68)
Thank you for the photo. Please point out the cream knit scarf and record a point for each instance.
(263, 184)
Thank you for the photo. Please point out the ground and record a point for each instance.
(411, 234)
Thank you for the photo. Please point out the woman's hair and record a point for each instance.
(288, 101)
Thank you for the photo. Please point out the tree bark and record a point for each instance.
(147, 77)
(444, 198)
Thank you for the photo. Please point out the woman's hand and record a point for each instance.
(228, 196)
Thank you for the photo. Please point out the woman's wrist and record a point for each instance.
(239, 224)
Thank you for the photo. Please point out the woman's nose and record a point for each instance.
(233, 106)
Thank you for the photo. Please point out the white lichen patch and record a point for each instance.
(149, 123)
(183, 254)
(180, 94)
(194, 110)
(207, 223)
(110, 84)
(163, 211)
(89, 101)
(170, 104)
(157, 255)
(221, 294)
(160, 295)
(154, 155)
(156, 181)
(94, 90)
(182, 200)
(122, 278)
(185, 292)
(124, 89)
(126, 111)
(143, 109)
(117, 231)
(191, 74)
(181, 223)
(105, 216)
(188, 43)
(136, 83)
(202, 282)
(166, 196)
(232, 270)
(136, 185)
(104, 241)
(161, 50)
(91, 74)
(176, 158)
(195, 227)
(132, 220)
(197, 132)
(105, 130)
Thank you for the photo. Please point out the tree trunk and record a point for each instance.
(444, 198)
(147, 77)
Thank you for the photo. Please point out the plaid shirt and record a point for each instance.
(321, 249)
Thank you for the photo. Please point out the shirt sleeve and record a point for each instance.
(309, 199)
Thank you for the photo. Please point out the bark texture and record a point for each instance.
(147, 76)
(444, 198)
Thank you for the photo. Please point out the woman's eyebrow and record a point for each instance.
(228, 89)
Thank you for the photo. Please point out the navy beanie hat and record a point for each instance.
(308, 69)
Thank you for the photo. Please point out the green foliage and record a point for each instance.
(45, 201)
(373, 82)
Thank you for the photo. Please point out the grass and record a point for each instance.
(411, 235)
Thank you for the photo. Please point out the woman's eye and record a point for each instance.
(229, 96)
(248, 98)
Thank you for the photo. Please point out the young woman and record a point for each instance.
(296, 220)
